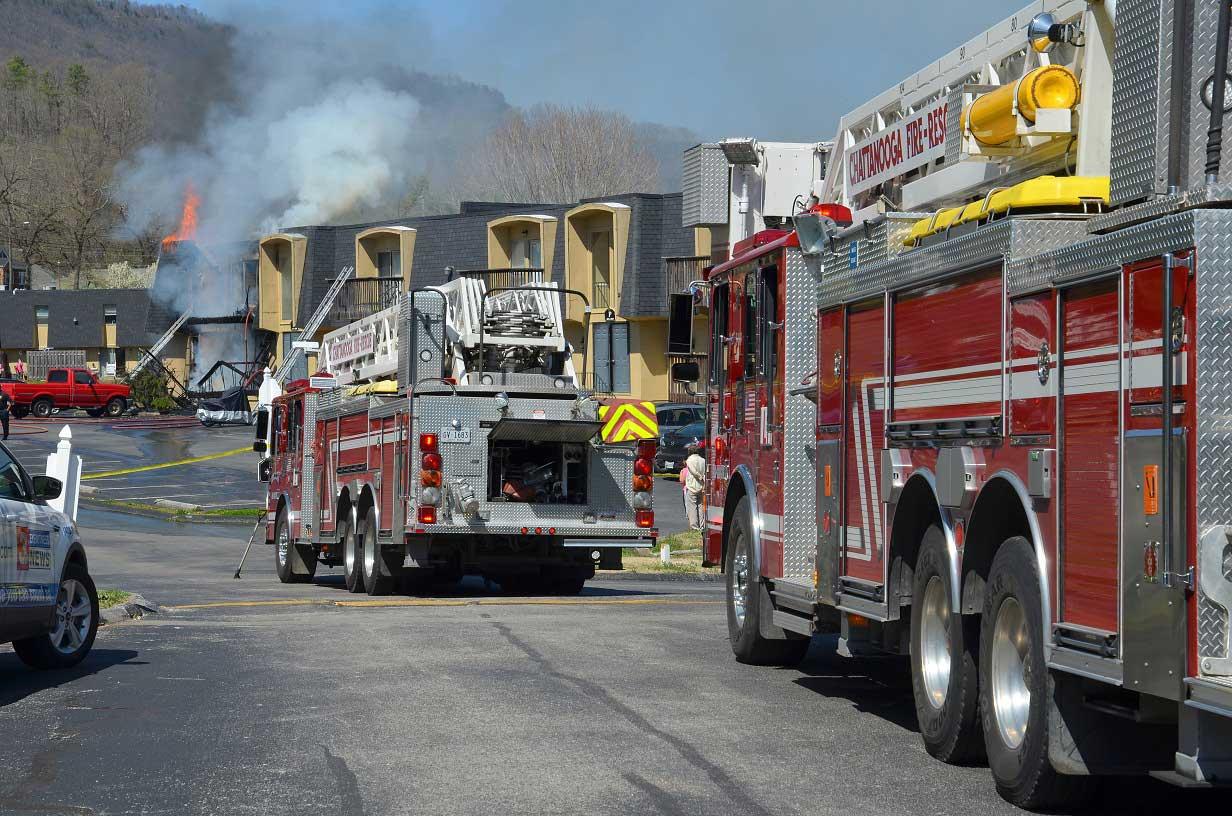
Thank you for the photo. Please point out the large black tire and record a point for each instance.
(42, 407)
(20, 412)
(294, 563)
(73, 635)
(944, 660)
(94, 412)
(352, 558)
(115, 407)
(568, 580)
(1011, 662)
(744, 602)
(376, 582)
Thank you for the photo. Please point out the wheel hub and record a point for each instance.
(1011, 690)
(935, 659)
(740, 585)
(74, 617)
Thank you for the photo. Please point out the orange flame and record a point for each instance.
(187, 229)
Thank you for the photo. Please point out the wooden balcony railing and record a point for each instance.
(361, 297)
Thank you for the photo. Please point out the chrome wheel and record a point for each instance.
(74, 617)
(283, 544)
(740, 584)
(369, 550)
(1011, 695)
(934, 655)
(348, 549)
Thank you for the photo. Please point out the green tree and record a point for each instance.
(17, 73)
(77, 79)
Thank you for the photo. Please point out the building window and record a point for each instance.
(300, 369)
(526, 253)
(601, 269)
(109, 315)
(389, 264)
(612, 358)
(41, 314)
(282, 260)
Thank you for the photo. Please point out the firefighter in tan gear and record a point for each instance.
(693, 476)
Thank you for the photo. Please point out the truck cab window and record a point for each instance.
(768, 332)
(82, 378)
(718, 356)
(750, 325)
(60, 376)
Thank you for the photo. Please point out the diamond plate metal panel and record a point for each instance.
(704, 183)
(1080, 260)
(404, 356)
(1213, 340)
(1205, 196)
(1202, 66)
(426, 338)
(308, 478)
(609, 476)
(1136, 101)
(800, 417)
(1008, 239)
(953, 128)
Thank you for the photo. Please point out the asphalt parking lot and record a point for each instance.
(227, 482)
(224, 483)
(251, 697)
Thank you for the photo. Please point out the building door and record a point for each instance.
(766, 389)
(1090, 372)
(864, 437)
(612, 358)
(601, 269)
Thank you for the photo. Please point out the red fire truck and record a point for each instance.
(987, 423)
(449, 435)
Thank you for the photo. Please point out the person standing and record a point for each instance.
(6, 404)
(694, 474)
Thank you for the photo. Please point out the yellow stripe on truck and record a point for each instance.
(628, 421)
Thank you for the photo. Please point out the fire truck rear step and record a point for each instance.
(797, 594)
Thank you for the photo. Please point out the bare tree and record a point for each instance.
(81, 175)
(552, 154)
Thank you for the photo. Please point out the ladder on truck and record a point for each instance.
(314, 323)
(153, 351)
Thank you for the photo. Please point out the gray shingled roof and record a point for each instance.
(75, 317)
(460, 241)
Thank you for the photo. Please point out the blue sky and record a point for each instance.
(777, 69)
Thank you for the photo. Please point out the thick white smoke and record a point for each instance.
(286, 161)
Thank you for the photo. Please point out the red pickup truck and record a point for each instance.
(68, 388)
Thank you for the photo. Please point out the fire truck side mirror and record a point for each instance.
(262, 430)
(265, 469)
(686, 372)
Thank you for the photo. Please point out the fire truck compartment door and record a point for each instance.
(575, 431)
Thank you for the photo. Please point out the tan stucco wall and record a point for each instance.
(580, 224)
(502, 232)
(385, 239)
(278, 254)
(274, 255)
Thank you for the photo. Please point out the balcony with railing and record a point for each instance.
(361, 297)
(689, 392)
(683, 271)
(500, 278)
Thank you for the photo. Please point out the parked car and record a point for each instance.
(674, 445)
(48, 603)
(68, 388)
(229, 408)
(675, 415)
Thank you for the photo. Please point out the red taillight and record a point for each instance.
(646, 449)
(645, 483)
(430, 478)
(427, 515)
(429, 443)
(643, 467)
(551, 531)
(826, 521)
(644, 518)
(432, 461)
(525, 530)
(538, 531)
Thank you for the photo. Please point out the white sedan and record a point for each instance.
(48, 603)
